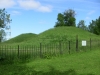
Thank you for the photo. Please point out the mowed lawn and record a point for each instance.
(85, 63)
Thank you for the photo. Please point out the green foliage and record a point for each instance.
(66, 19)
(4, 20)
(60, 20)
(94, 26)
(47, 55)
(97, 27)
(69, 17)
(82, 25)
(2, 35)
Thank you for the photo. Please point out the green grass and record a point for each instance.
(52, 36)
(83, 63)
(21, 38)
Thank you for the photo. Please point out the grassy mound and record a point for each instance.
(53, 35)
(67, 32)
(21, 38)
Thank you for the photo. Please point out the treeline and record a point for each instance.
(68, 19)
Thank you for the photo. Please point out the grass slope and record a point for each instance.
(53, 35)
(22, 38)
(68, 32)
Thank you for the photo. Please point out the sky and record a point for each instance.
(37, 16)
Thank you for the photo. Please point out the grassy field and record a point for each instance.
(29, 44)
(83, 63)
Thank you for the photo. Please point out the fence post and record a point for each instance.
(76, 42)
(98, 43)
(90, 43)
(40, 50)
(60, 47)
(5, 50)
(69, 47)
(18, 51)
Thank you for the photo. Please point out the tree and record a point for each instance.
(82, 25)
(60, 20)
(91, 26)
(66, 19)
(94, 26)
(69, 17)
(4, 20)
(97, 27)
(2, 35)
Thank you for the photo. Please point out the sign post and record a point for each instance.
(83, 43)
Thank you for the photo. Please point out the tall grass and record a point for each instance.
(85, 63)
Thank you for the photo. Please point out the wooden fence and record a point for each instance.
(46, 50)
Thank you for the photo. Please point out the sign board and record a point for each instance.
(83, 43)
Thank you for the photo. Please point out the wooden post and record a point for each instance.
(18, 51)
(10, 52)
(76, 42)
(90, 43)
(5, 51)
(40, 50)
(60, 47)
(69, 47)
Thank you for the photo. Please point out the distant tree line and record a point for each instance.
(93, 27)
(68, 19)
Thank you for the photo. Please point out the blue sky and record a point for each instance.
(36, 16)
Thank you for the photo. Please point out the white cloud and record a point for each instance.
(29, 4)
(45, 8)
(6, 3)
(34, 5)
(16, 13)
(91, 12)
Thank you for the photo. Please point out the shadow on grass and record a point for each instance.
(22, 69)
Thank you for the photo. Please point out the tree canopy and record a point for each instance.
(94, 26)
(4, 20)
(82, 25)
(66, 19)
